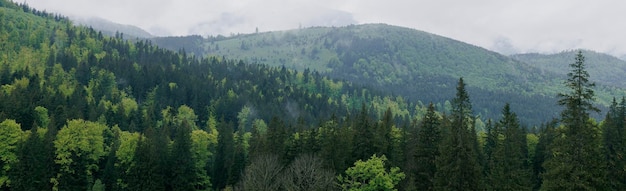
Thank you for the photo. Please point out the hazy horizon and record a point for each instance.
(505, 27)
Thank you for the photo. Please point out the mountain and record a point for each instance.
(111, 28)
(603, 68)
(402, 61)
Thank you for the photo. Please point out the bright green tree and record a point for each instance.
(10, 136)
(79, 147)
(370, 175)
(577, 162)
(457, 165)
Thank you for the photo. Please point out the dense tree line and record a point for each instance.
(81, 111)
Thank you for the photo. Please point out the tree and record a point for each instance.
(263, 174)
(35, 160)
(427, 150)
(457, 165)
(614, 144)
(306, 173)
(202, 148)
(79, 147)
(542, 151)
(371, 175)
(364, 139)
(183, 172)
(508, 169)
(577, 162)
(224, 156)
(10, 136)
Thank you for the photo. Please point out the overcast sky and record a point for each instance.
(518, 26)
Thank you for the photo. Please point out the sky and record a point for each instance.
(505, 26)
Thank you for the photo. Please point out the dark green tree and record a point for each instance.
(148, 171)
(508, 167)
(183, 175)
(224, 156)
(427, 150)
(457, 165)
(364, 139)
(614, 144)
(32, 171)
(577, 163)
(542, 152)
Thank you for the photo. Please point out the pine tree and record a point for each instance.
(542, 152)
(183, 176)
(508, 169)
(457, 165)
(614, 144)
(224, 156)
(577, 163)
(427, 150)
(363, 140)
(31, 171)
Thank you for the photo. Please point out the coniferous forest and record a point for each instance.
(80, 110)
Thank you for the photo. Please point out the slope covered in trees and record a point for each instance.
(406, 62)
(81, 111)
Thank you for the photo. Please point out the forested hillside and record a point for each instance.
(405, 62)
(606, 69)
(83, 111)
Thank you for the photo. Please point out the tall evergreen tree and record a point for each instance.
(31, 172)
(457, 165)
(577, 162)
(148, 171)
(508, 169)
(542, 152)
(614, 144)
(427, 150)
(182, 171)
(224, 156)
(363, 140)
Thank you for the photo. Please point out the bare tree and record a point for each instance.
(306, 173)
(263, 174)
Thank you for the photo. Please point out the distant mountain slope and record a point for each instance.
(401, 61)
(110, 28)
(603, 68)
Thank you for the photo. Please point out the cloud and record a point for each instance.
(530, 25)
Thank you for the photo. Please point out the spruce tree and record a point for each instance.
(614, 144)
(508, 169)
(577, 162)
(224, 156)
(183, 174)
(457, 165)
(427, 150)
(542, 152)
(363, 140)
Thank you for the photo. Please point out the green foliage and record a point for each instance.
(458, 167)
(507, 168)
(183, 122)
(79, 147)
(10, 136)
(577, 162)
(614, 144)
(427, 151)
(184, 176)
(371, 175)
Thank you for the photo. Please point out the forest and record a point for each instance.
(80, 110)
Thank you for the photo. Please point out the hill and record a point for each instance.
(603, 68)
(110, 28)
(401, 61)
